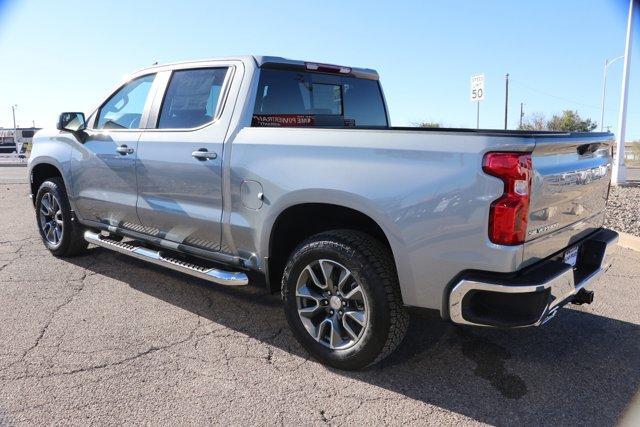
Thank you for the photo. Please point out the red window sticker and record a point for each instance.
(282, 120)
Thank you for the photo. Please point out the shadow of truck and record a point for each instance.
(578, 369)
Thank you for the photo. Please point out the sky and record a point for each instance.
(66, 56)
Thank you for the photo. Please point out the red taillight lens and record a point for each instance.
(508, 214)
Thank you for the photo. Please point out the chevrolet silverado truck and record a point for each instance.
(291, 170)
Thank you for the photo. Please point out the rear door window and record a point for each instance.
(299, 98)
(192, 98)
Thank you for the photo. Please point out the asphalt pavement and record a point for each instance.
(10, 174)
(104, 339)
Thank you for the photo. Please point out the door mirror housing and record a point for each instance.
(72, 122)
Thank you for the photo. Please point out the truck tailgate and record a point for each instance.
(570, 185)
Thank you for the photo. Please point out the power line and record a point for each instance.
(561, 98)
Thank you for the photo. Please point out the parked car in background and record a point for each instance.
(7, 144)
(22, 136)
(291, 169)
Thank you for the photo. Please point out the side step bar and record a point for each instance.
(221, 277)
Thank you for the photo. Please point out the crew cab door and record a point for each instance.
(103, 180)
(179, 163)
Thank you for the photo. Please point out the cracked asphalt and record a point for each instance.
(104, 339)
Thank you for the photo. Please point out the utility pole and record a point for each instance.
(15, 130)
(619, 175)
(506, 100)
(521, 113)
(13, 110)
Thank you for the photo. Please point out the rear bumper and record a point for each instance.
(532, 296)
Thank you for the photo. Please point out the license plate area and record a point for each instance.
(570, 256)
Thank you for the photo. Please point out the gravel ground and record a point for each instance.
(623, 209)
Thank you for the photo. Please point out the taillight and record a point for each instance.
(508, 214)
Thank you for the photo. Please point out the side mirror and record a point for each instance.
(71, 122)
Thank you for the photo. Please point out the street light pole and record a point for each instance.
(619, 175)
(506, 100)
(607, 62)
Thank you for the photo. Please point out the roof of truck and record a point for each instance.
(275, 62)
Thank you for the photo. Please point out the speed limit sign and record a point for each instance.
(477, 87)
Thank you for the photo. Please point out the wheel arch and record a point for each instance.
(39, 173)
(296, 222)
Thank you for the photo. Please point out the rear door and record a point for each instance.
(103, 167)
(179, 163)
(571, 176)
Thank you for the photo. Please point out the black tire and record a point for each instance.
(371, 265)
(71, 241)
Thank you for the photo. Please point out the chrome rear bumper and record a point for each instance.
(534, 295)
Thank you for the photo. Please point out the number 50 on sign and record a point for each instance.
(477, 87)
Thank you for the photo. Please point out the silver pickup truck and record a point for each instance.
(291, 169)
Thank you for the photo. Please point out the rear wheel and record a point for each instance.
(60, 234)
(342, 299)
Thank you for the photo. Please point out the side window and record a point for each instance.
(192, 98)
(124, 109)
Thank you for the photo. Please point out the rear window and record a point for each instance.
(299, 98)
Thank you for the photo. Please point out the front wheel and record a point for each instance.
(60, 234)
(342, 299)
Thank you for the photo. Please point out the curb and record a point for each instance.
(629, 241)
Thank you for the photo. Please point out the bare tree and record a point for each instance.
(534, 121)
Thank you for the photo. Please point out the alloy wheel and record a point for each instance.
(51, 221)
(331, 304)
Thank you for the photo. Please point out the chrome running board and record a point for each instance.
(221, 277)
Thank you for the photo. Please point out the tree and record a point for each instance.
(570, 121)
(567, 121)
(535, 121)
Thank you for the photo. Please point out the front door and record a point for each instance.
(179, 163)
(103, 180)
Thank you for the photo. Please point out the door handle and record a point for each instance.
(204, 154)
(123, 149)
